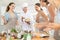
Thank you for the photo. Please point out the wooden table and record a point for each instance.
(39, 38)
(43, 39)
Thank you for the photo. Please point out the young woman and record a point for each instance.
(10, 18)
(40, 17)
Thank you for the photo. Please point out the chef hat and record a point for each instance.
(25, 5)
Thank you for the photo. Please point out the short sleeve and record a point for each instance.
(6, 15)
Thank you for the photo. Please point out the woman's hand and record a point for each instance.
(3, 18)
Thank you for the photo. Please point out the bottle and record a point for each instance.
(8, 37)
(25, 35)
(28, 35)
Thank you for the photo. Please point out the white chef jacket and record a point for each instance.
(25, 26)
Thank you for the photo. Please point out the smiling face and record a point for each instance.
(37, 8)
(12, 7)
(25, 9)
